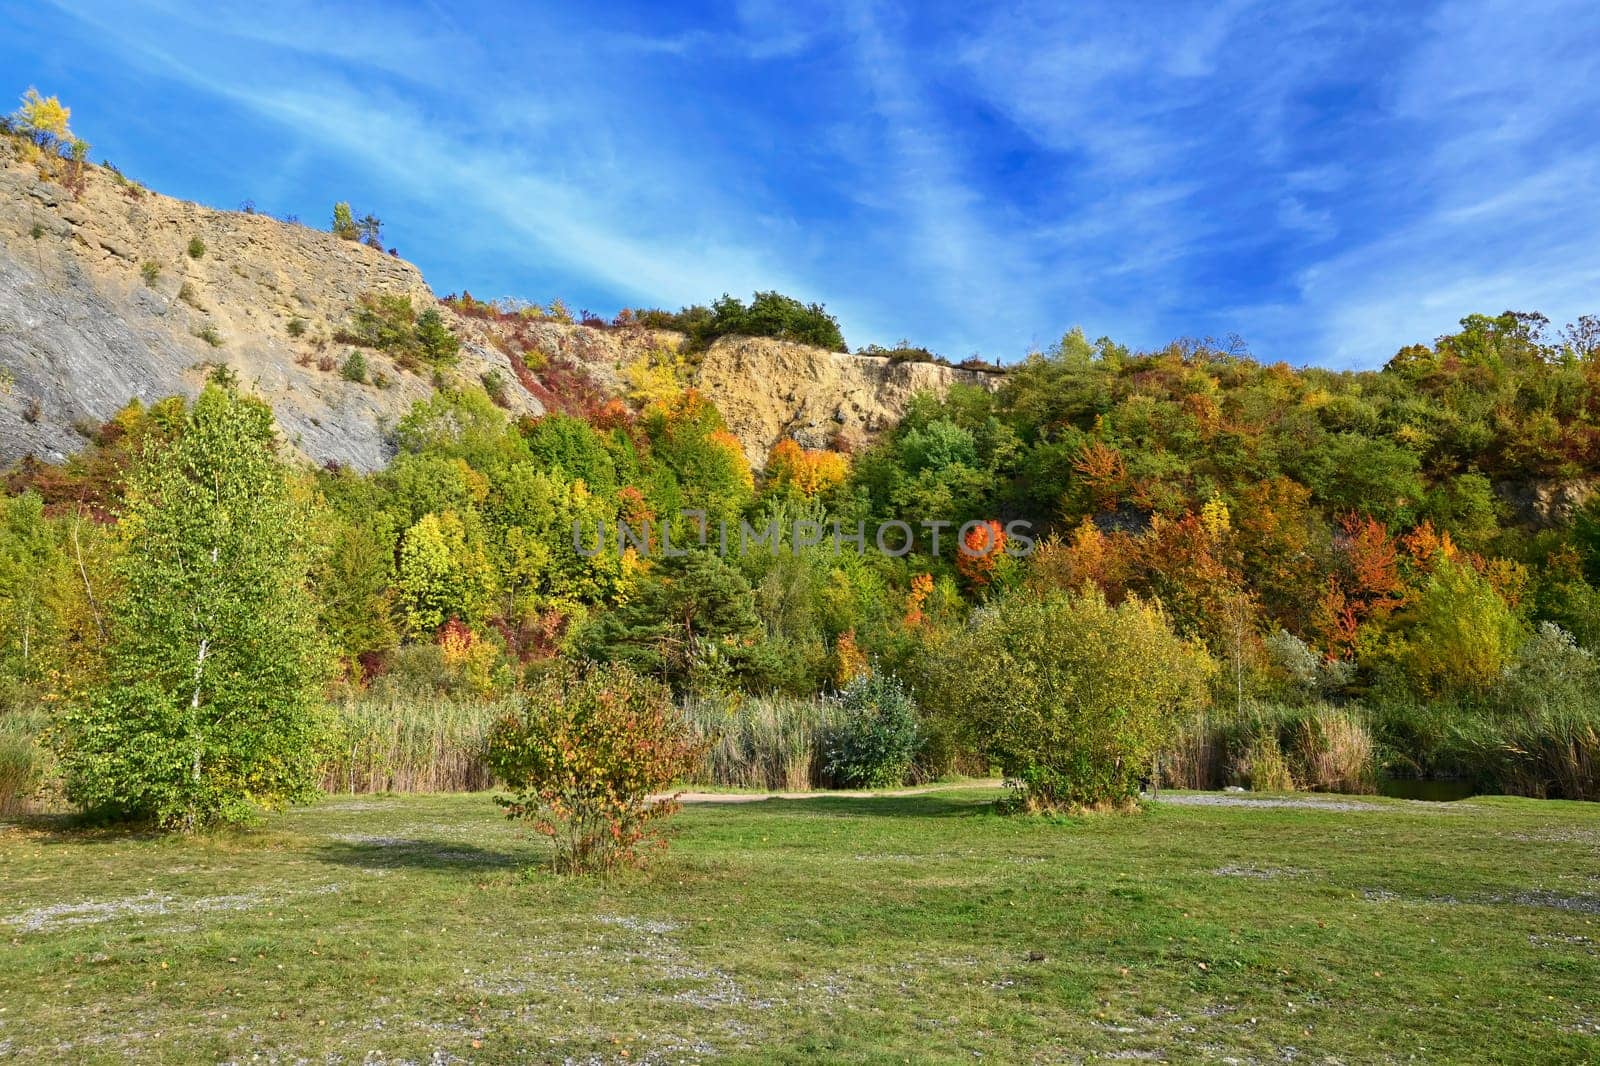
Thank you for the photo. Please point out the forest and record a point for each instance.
(1318, 578)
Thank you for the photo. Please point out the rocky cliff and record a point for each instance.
(102, 301)
(768, 390)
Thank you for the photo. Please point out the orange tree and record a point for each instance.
(807, 471)
(982, 550)
(584, 755)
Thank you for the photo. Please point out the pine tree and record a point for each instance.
(208, 709)
(439, 346)
(370, 229)
(695, 614)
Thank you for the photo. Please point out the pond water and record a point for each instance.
(1437, 791)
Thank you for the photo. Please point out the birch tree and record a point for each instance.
(208, 710)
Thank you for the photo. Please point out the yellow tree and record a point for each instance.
(656, 379)
(344, 223)
(44, 118)
(808, 471)
(444, 574)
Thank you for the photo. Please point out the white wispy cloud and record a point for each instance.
(574, 203)
(1499, 110)
(957, 250)
(1332, 182)
(1330, 179)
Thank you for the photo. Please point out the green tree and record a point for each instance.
(1071, 696)
(1585, 534)
(439, 346)
(29, 565)
(572, 446)
(208, 710)
(344, 223)
(1461, 635)
(444, 574)
(1354, 473)
(533, 513)
(878, 738)
(386, 321)
(691, 622)
(461, 424)
(354, 367)
(769, 314)
(418, 483)
(353, 578)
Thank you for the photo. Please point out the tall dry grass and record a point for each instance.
(1260, 765)
(1536, 732)
(763, 742)
(1546, 753)
(1270, 747)
(1333, 751)
(420, 744)
(1195, 757)
(24, 759)
(434, 744)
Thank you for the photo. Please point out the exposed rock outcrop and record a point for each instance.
(768, 390)
(1546, 502)
(101, 301)
(85, 324)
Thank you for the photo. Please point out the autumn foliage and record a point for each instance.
(917, 598)
(585, 757)
(852, 661)
(1101, 469)
(809, 471)
(982, 550)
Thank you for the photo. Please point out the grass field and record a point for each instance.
(921, 928)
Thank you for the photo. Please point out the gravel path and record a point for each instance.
(1235, 799)
(1180, 799)
(757, 797)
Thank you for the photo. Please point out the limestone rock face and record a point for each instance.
(101, 302)
(1546, 502)
(86, 324)
(768, 389)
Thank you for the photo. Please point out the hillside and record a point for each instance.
(1403, 564)
(101, 301)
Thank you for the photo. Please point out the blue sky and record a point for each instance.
(1328, 180)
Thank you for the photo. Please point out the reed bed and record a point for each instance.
(1545, 753)
(1274, 748)
(433, 744)
(421, 744)
(24, 760)
(764, 742)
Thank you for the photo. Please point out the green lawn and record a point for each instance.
(923, 928)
